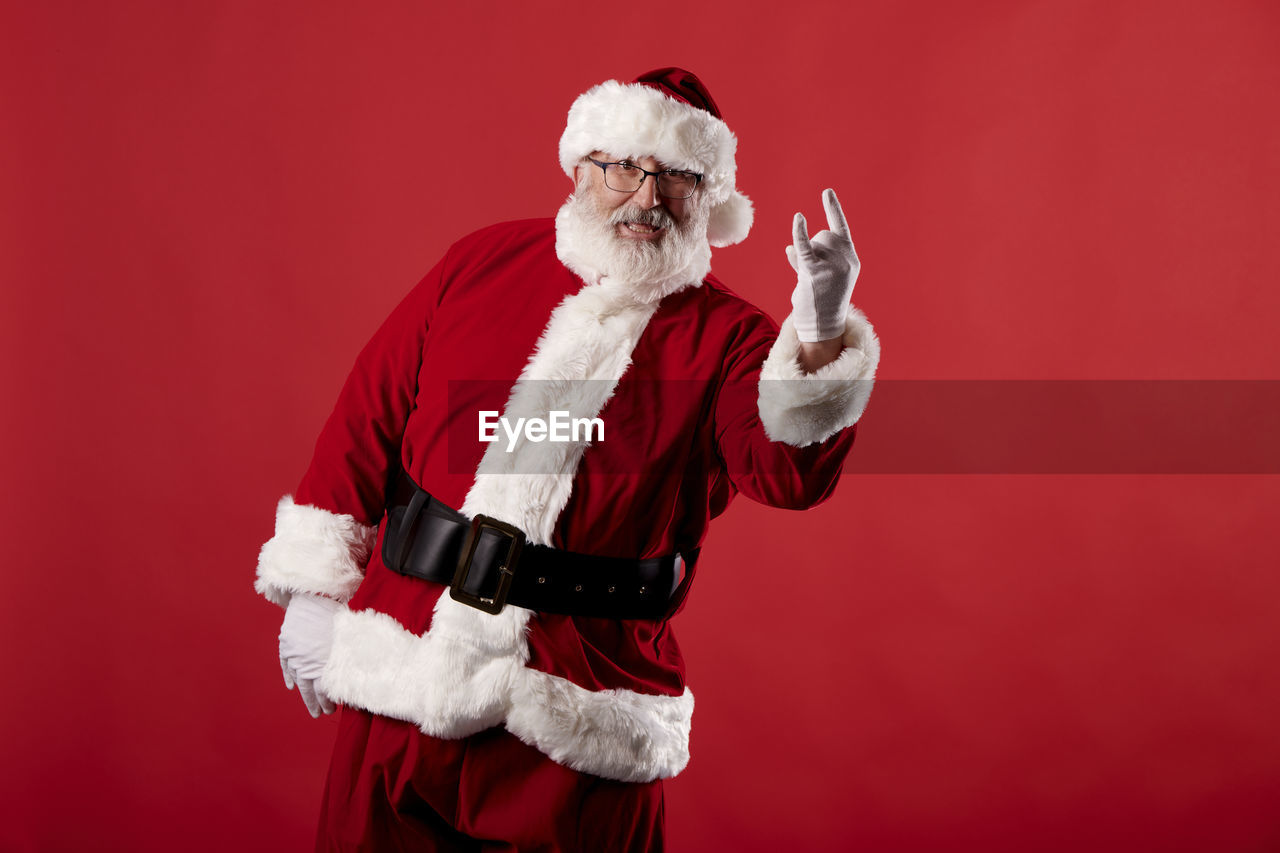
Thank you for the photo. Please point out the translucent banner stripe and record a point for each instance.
(965, 426)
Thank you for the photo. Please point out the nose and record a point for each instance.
(647, 196)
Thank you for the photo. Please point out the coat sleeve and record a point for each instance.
(325, 530)
(783, 434)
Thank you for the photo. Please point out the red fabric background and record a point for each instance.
(207, 208)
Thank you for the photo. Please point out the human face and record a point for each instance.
(640, 242)
(645, 198)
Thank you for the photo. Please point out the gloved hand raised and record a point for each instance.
(826, 269)
(305, 639)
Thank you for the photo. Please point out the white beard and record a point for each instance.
(586, 242)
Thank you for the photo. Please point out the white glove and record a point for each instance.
(305, 639)
(826, 267)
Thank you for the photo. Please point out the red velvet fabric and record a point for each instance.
(681, 85)
(682, 436)
(393, 788)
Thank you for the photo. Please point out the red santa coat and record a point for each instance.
(701, 397)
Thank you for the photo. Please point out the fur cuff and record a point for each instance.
(799, 408)
(315, 551)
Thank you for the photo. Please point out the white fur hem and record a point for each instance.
(453, 684)
(315, 551)
(468, 672)
(617, 734)
(799, 408)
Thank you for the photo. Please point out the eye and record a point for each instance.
(626, 167)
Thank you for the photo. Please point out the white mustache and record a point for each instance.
(653, 216)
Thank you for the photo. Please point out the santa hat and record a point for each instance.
(669, 115)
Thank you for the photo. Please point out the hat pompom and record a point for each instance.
(730, 220)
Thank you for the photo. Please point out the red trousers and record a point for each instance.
(392, 788)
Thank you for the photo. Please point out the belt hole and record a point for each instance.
(612, 588)
(542, 580)
(642, 589)
(578, 588)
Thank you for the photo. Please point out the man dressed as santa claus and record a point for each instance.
(491, 606)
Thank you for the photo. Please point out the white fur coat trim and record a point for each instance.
(799, 408)
(575, 367)
(313, 550)
(452, 689)
(468, 672)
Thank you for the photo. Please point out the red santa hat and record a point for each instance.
(669, 115)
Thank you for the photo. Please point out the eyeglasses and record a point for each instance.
(628, 177)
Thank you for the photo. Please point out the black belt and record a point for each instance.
(487, 564)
